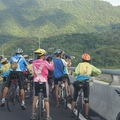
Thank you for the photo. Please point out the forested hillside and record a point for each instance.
(75, 26)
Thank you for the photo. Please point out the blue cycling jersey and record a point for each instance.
(58, 68)
(22, 64)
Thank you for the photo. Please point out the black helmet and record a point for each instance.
(30, 60)
(67, 56)
(49, 58)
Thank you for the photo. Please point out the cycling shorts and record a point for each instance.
(18, 75)
(66, 76)
(85, 90)
(43, 86)
(57, 80)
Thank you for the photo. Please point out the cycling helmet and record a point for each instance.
(4, 60)
(40, 52)
(25, 56)
(58, 51)
(67, 56)
(49, 58)
(30, 60)
(19, 51)
(86, 57)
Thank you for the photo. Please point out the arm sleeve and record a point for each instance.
(95, 71)
(77, 70)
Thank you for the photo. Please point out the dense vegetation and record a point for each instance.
(76, 26)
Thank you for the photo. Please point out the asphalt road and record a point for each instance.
(56, 113)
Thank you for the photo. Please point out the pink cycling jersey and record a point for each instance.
(40, 68)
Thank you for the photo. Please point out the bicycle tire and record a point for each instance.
(11, 99)
(39, 107)
(79, 105)
(53, 94)
(65, 97)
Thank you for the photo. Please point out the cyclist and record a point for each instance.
(22, 65)
(30, 75)
(26, 57)
(30, 68)
(50, 74)
(26, 72)
(66, 72)
(59, 65)
(5, 69)
(40, 69)
(83, 72)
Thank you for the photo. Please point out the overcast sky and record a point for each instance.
(114, 2)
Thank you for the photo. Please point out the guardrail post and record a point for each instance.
(115, 80)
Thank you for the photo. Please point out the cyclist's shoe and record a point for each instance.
(2, 104)
(72, 114)
(33, 117)
(23, 106)
(48, 118)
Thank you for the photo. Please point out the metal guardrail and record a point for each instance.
(114, 73)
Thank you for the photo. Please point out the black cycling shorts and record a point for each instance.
(43, 86)
(18, 75)
(56, 80)
(85, 90)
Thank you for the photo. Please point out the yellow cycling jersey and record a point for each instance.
(5, 67)
(30, 68)
(85, 68)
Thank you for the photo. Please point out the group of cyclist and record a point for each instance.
(44, 70)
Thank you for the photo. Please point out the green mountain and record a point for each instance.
(55, 17)
(76, 26)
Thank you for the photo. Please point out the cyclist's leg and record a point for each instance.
(22, 92)
(56, 91)
(86, 98)
(46, 97)
(35, 98)
(8, 83)
(75, 95)
(69, 86)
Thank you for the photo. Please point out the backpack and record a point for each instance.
(14, 65)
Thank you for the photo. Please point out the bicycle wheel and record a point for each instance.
(37, 110)
(53, 94)
(40, 107)
(79, 105)
(11, 99)
(65, 97)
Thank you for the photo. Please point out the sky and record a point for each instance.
(113, 2)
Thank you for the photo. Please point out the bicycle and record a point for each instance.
(62, 95)
(40, 104)
(80, 104)
(13, 98)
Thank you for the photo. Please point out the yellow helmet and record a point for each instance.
(25, 56)
(40, 52)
